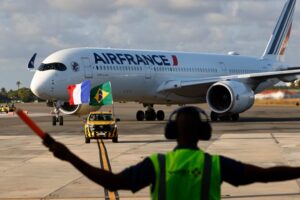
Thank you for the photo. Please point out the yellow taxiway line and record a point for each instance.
(105, 164)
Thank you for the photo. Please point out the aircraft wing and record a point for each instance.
(172, 85)
(198, 87)
(267, 75)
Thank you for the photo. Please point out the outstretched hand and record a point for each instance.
(58, 149)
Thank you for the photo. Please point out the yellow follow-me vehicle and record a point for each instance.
(101, 125)
(7, 108)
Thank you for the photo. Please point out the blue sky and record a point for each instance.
(45, 26)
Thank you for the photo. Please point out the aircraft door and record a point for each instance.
(88, 72)
(148, 73)
(223, 67)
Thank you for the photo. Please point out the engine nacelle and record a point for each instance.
(290, 78)
(82, 109)
(229, 97)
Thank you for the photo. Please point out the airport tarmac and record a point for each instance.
(265, 136)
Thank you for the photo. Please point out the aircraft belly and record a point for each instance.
(192, 92)
(127, 88)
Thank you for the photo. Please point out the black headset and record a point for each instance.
(203, 128)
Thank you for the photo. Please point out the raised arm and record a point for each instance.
(104, 178)
(254, 174)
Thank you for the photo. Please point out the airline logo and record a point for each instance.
(282, 30)
(135, 59)
(285, 42)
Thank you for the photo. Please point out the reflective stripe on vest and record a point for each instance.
(186, 174)
(206, 177)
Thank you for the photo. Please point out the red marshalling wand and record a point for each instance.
(44, 136)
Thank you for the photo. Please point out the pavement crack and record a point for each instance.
(274, 138)
(53, 195)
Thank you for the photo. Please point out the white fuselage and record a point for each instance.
(136, 75)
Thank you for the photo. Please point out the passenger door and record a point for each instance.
(88, 71)
(224, 70)
(148, 73)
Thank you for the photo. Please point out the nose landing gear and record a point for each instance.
(150, 114)
(57, 117)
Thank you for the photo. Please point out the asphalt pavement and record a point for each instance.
(264, 136)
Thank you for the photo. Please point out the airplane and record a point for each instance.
(227, 82)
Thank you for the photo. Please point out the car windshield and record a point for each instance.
(100, 117)
(54, 66)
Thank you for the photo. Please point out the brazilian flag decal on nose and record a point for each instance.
(101, 95)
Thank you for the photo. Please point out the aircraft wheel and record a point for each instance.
(140, 115)
(235, 117)
(54, 121)
(225, 118)
(61, 120)
(160, 115)
(87, 140)
(150, 115)
(213, 116)
(115, 140)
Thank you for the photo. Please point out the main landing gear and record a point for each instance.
(227, 117)
(150, 114)
(57, 118)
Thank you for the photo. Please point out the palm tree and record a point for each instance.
(18, 84)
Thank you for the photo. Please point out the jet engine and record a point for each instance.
(229, 97)
(291, 78)
(81, 109)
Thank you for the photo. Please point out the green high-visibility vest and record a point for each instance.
(186, 174)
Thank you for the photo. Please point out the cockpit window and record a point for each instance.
(54, 66)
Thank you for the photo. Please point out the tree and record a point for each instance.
(3, 91)
(18, 84)
(26, 95)
(3, 95)
(12, 95)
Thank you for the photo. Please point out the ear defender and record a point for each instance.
(171, 130)
(204, 131)
(203, 128)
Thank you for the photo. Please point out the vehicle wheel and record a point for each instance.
(54, 121)
(115, 140)
(160, 115)
(235, 117)
(61, 120)
(150, 115)
(140, 115)
(213, 116)
(87, 140)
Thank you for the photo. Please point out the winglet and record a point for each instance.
(31, 62)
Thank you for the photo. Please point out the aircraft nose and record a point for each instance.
(35, 88)
(40, 87)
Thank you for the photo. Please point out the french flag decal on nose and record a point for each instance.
(175, 61)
